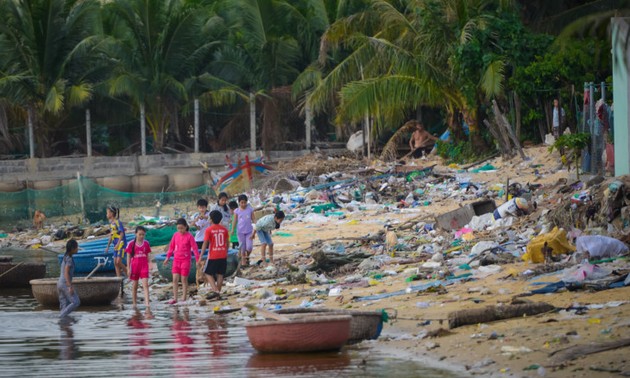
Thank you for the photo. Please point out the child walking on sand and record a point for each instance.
(201, 221)
(263, 228)
(138, 251)
(222, 207)
(216, 240)
(117, 238)
(181, 245)
(68, 298)
(243, 218)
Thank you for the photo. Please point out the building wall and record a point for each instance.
(621, 91)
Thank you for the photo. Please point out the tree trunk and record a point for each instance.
(470, 116)
(517, 111)
(492, 313)
(541, 128)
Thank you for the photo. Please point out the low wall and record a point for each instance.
(60, 168)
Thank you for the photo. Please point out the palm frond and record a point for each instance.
(492, 79)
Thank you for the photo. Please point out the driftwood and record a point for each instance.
(501, 120)
(492, 313)
(328, 262)
(573, 352)
(506, 150)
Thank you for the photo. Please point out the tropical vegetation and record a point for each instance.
(346, 63)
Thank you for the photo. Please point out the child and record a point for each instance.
(202, 222)
(222, 207)
(233, 236)
(117, 238)
(138, 250)
(68, 298)
(217, 240)
(263, 229)
(243, 217)
(180, 246)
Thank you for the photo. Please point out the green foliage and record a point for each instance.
(574, 143)
(458, 153)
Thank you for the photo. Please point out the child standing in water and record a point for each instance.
(216, 239)
(263, 228)
(181, 245)
(243, 218)
(68, 298)
(202, 221)
(222, 207)
(117, 238)
(138, 251)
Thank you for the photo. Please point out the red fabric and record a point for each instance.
(218, 238)
(142, 250)
(139, 268)
(181, 266)
(181, 245)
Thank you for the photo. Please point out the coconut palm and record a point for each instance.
(49, 59)
(161, 47)
(403, 56)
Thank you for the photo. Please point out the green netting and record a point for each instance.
(65, 200)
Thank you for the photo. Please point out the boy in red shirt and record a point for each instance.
(216, 240)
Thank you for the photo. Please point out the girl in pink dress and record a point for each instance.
(181, 245)
(138, 251)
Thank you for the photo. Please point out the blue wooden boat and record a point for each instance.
(166, 271)
(86, 262)
(98, 244)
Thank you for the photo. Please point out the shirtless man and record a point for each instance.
(421, 141)
(38, 220)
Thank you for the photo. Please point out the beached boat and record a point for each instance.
(93, 291)
(312, 334)
(19, 274)
(86, 262)
(166, 270)
(365, 325)
(241, 176)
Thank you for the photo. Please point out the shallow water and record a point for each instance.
(118, 341)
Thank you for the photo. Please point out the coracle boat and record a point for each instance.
(86, 262)
(19, 274)
(167, 271)
(312, 334)
(93, 291)
(365, 325)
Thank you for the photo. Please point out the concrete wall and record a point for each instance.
(106, 166)
(621, 93)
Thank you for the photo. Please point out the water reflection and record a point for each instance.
(140, 342)
(217, 336)
(68, 348)
(183, 342)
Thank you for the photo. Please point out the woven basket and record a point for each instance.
(94, 291)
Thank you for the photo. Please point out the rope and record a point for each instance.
(11, 269)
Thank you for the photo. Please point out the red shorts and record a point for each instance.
(139, 268)
(181, 267)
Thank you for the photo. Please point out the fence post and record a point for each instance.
(143, 131)
(88, 132)
(252, 122)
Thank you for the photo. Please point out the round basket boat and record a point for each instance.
(313, 334)
(365, 325)
(94, 291)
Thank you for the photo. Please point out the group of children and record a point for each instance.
(225, 222)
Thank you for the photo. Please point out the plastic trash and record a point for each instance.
(556, 239)
(598, 246)
(585, 271)
(483, 246)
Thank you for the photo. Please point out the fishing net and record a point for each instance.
(65, 200)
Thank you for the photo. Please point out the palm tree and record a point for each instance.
(49, 57)
(161, 48)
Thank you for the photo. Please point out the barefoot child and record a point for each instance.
(201, 221)
(263, 229)
(138, 251)
(68, 298)
(181, 245)
(216, 239)
(117, 238)
(243, 218)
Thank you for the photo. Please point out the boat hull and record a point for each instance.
(19, 274)
(313, 334)
(95, 291)
(365, 325)
(86, 262)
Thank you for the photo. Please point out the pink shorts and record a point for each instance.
(181, 267)
(139, 268)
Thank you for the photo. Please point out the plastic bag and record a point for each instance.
(585, 271)
(556, 239)
(599, 246)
